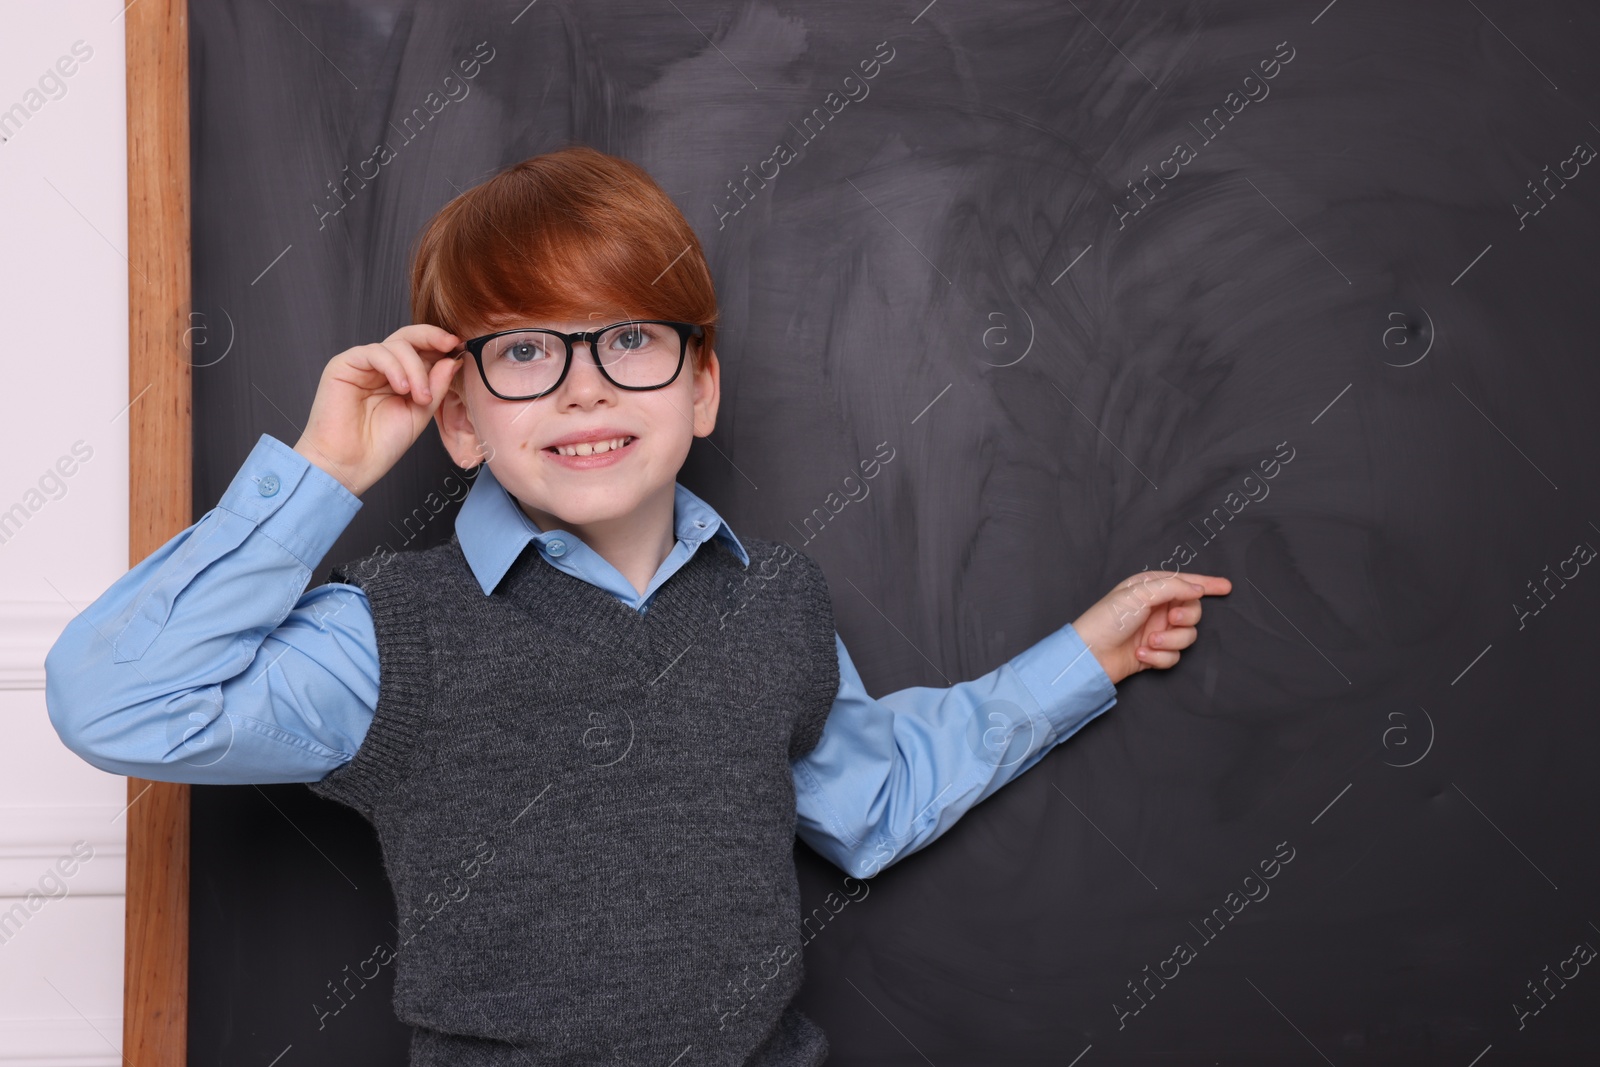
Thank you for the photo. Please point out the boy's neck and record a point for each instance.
(635, 544)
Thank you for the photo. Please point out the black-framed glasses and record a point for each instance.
(526, 364)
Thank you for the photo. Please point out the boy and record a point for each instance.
(586, 764)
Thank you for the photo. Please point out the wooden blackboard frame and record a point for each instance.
(160, 481)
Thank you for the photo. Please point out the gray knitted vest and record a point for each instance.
(586, 813)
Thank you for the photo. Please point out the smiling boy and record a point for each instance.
(565, 682)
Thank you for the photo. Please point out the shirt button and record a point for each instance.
(269, 485)
(556, 547)
(700, 524)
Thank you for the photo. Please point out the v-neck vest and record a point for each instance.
(587, 814)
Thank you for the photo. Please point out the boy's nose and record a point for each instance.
(585, 369)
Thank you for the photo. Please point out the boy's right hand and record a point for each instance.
(1146, 620)
(374, 401)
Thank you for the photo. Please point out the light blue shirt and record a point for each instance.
(210, 662)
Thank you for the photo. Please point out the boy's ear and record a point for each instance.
(456, 431)
(707, 395)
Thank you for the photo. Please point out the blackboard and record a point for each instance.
(1086, 267)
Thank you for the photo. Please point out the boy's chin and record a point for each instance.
(589, 508)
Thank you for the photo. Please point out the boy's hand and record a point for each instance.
(1145, 620)
(374, 401)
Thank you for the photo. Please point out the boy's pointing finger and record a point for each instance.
(1209, 584)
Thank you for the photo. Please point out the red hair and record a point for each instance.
(572, 234)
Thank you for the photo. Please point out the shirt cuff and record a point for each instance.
(1066, 679)
(293, 501)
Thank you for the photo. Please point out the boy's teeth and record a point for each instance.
(589, 448)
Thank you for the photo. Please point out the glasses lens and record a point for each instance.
(523, 363)
(641, 354)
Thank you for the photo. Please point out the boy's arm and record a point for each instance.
(891, 774)
(205, 663)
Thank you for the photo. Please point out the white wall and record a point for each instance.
(63, 540)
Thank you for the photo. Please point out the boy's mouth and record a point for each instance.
(592, 448)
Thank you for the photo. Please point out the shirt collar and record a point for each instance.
(493, 531)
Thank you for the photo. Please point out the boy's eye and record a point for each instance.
(524, 350)
(641, 337)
